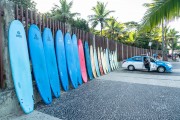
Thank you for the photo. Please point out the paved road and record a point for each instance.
(121, 95)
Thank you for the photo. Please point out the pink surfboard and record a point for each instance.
(82, 61)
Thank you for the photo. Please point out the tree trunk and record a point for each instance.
(101, 28)
(157, 46)
(113, 35)
(163, 40)
(172, 49)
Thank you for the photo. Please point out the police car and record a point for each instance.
(138, 63)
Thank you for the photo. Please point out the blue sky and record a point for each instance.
(126, 10)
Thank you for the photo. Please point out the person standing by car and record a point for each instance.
(146, 63)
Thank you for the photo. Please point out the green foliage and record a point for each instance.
(158, 11)
(100, 15)
(155, 36)
(172, 38)
(113, 28)
(25, 4)
(177, 47)
(80, 24)
(63, 12)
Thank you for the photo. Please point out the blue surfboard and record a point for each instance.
(88, 61)
(20, 66)
(96, 63)
(107, 60)
(39, 63)
(76, 58)
(70, 61)
(61, 60)
(51, 62)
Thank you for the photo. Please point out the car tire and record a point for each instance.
(161, 69)
(131, 68)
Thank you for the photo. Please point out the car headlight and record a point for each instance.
(169, 65)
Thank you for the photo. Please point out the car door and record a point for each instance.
(137, 62)
(153, 65)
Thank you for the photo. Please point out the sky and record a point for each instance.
(125, 10)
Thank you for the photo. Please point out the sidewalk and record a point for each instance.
(35, 115)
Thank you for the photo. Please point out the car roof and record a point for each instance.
(141, 56)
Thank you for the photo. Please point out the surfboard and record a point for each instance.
(100, 63)
(88, 61)
(20, 66)
(61, 59)
(96, 63)
(113, 64)
(39, 63)
(92, 62)
(107, 60)
(76, 58)
(70, 62)
(82, 61)
(51, 62)
(110, 59)
(103, 62)
(116, 59)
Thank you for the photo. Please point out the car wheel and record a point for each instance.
(161, 69)
(131, 68)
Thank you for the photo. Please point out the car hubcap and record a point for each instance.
(161, 69)
(131, 67)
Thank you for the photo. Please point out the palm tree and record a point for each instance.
(120, 31)
(100, 16)
(63, 12)
(172, 37)
(160, 11)
(112, 26)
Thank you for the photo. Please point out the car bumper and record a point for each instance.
(169, 69)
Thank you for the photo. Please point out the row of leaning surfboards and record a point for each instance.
(63, 60)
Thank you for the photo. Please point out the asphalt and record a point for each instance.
(121, 95)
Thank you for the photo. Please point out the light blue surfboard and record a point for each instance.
(110, 60)
(76, 58)
(107, 60)
(51, 62)
(61, 59)
(39, 63)
(70, 61)
(20, 66)
(88, 60)
(96, 63)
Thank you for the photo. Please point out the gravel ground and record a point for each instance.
(115, 100)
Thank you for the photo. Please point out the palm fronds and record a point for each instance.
(158, 11)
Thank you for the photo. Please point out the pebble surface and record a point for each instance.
(115, 100)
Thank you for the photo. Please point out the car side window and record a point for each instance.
(137, 59)
(152, 60)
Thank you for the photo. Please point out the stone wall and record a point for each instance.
(8, 101)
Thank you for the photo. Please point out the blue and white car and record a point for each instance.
(137, 62)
